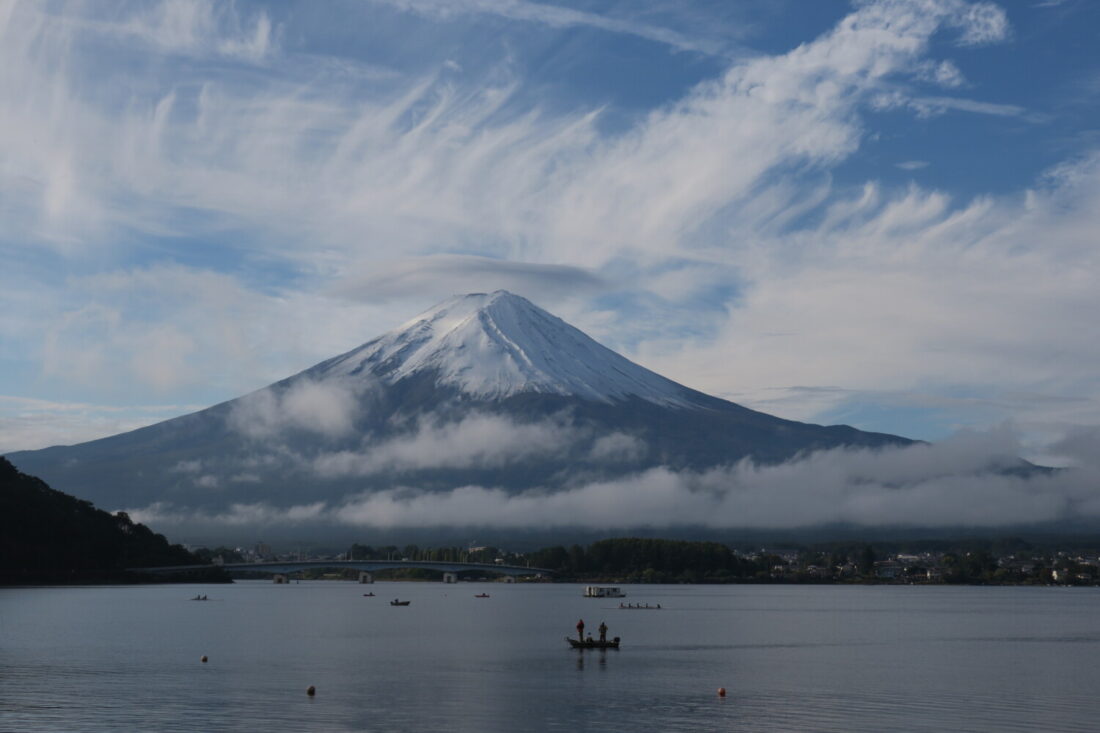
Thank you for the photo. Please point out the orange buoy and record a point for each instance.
(311, 690)
(203, 660)
(721, 692)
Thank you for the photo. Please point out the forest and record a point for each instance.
(47, 536)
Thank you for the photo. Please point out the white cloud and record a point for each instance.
(28, 424)
(981, 23)
(908, 291)
(171, 329)
(434, 166)
(442, 276)
(1081, 444)
(617, 448)
(207, 481)
(946, 485)
(323, 408)
(945, 73)
(935, 105)
(557, 16)
(237, 515)
(194, 27)
(951, 484)
(477, 440)
(328, 408)
(189, 466)
(333, 169)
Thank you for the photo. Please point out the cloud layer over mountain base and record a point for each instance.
(971, 481)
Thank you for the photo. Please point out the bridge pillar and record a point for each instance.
(365, 577)
(280, 579)
(450, 577)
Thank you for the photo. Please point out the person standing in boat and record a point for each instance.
(603, 631)
(580, 630)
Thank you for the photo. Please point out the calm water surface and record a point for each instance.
(812, 658)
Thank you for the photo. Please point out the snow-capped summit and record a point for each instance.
(546, 407)
(494, 345)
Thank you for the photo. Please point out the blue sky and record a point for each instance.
(878, 213)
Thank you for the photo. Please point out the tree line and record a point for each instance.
(652, 561)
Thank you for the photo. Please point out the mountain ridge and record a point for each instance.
(481, 390)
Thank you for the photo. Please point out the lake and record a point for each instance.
(792, 658)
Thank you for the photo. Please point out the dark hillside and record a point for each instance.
(50, 537)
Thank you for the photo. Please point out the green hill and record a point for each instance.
(47, 536)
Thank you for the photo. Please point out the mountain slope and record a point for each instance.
(483, 389)
(49, 537)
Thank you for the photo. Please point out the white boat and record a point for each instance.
(603, 591)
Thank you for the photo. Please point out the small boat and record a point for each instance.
(396, 602)
(482, 595)
(603, 591)
(593, 643)
(368, 595)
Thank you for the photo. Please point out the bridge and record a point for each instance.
(282, 568)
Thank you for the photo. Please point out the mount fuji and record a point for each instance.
(482, 390)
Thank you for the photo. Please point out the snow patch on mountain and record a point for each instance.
(495, 345)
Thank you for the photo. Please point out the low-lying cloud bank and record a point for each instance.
(965, 481)
(478, 440)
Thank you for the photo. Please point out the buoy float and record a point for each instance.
(203, 660)
(311, 690)
(721, 692)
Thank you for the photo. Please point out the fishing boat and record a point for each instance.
(396, 602)
(603, 591)
(593, 643)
